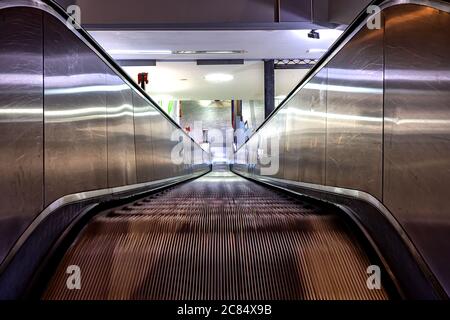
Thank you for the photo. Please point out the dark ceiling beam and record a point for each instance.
(269, 87)
(202, 14)
(136, 63)
(208, 26)
(344, 11)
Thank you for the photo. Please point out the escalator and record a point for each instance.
(361, 146)
(219, 237)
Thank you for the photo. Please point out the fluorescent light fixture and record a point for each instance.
(209, 52)
(126, 51)
(316, 50)
(143, 51)
(205, 103)
(185, 52)
(219, 77)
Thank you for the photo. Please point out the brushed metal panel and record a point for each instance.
(75, 114)
(306, 132)
(159, 138)
(292, 146)
(417, 130)
(169, 168)
(252, 154)
(177, 169)
(143, 114)
(174, 168)
(355, 114)
(277, 147)
(269, 146)
(120, 124)
(21, 125)
(197, 159)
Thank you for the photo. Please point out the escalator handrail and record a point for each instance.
(358, 23)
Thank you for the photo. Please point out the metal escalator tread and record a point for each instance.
(220, 237)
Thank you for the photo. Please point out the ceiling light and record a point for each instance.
(185, 52)
(126, 51)
(316, 50)
(218, 77)
(205, 103)
(209, 52)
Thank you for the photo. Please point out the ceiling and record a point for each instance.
(210, 14)
(178, 77)
(186, 81)
(257, 44)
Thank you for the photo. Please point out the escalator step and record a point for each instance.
(216, 238)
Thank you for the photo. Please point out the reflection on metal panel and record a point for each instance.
(21, 128)
(305, 143)
(292, 150)
(264, 148)
(417, 129)
(354, 114)
(120, 124)
(277, 145)
(414, 78)
(143, 114)
(51, 152)
(252, 155)
(169, 145)
(75, 114)
(158, 139)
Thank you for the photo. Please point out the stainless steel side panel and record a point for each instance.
(292, 146)
(172, 168)
(355, 115)
(269, 147)
(279, 132)
(159, 136)
(252, 154)
(21, 126)
(120, 124)
(66, 116)
(417, 129)
(143, 115)
(306, 132)
(387, 118)
(75, 114)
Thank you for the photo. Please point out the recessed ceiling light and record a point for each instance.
(209, 52)
(205, 103)
(126, 51)
(316, 50)
(218, 77)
